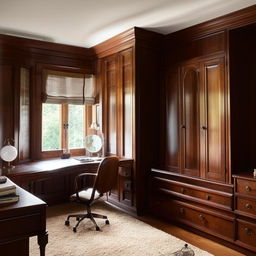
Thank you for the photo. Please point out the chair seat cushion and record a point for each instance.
(85, 195)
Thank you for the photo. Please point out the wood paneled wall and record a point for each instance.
(6, 102)
(19, 55)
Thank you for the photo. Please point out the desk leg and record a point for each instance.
(42, 241)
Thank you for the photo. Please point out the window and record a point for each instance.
(65, 96)
(63, 127)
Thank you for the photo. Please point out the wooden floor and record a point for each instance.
(191, 238)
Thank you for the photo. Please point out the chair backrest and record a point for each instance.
(106, 175)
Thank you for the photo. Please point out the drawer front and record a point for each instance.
(246, 233)
(27, 224)
(246, 187)
(196, 193)
(182, 212)
(210, 197)
(247, 206)
(204, 221)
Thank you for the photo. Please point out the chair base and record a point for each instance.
(91, 216)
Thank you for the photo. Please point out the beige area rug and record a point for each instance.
(125, 236)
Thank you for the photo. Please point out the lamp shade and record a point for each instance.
(8, 153)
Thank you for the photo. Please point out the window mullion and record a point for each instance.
(64, 130)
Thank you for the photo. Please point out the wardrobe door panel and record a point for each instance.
(190, 121)
(214, 81)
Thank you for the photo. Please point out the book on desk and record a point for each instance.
(8, 192)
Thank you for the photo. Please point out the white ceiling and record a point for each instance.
(89, 22)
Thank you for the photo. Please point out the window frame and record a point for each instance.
(64, 141)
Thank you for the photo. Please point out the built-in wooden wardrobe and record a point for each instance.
(128, 70)
(204, 180)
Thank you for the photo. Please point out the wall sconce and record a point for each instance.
(8, 153)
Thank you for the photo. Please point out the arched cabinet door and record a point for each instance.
(190, 120)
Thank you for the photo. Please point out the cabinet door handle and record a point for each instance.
(248, 188)
(201, 217)
(248, 206)
(204, 127)
(183, 126)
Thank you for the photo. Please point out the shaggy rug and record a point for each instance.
(125, 236)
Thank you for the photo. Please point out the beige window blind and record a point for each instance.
(68, 88)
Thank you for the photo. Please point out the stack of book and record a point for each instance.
(8, 192)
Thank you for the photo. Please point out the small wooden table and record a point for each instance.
(21, 220)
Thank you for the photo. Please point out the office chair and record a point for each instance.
(104, 181)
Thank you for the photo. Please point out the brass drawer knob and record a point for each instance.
(182, 190)
(248, 231)
(248, 188)
(208, 197)
(181, 210)
(248, 206)
(201, 217)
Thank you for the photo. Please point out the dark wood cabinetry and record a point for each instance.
(190, 120)
(118, 101)
(118, 88)
(209, 128)
(245, 208)
(128, 72)
(213, 133)
(202, 115)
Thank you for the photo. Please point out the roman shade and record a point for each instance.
(68, 88)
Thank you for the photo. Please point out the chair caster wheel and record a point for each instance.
(77, 218)
(74, 230)
(97, 228)
(67, 222)
(107, 222)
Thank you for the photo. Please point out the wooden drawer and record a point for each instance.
(246, 234)
(246, 187)
(28, 224)
(212, 222)
(195, 193)
(209, 221)
(247, 206)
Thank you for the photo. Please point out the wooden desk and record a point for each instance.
(21, 220)
(53, 180)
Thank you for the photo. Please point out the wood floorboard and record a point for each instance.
(191, 238)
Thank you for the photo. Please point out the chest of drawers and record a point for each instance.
(245, 209)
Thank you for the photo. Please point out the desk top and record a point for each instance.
(26, 201)
(56, 165)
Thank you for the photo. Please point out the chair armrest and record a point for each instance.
(82, 175)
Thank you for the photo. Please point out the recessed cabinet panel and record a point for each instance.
(24, 138)
(111, 95)
(190, 121)
(6, 103)
(215, 119)
(127, 102)
(172, 117)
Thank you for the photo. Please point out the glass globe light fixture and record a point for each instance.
(8, 153)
